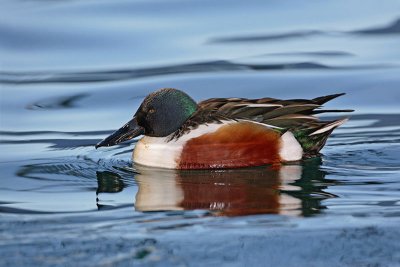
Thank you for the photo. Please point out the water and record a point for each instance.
(74, 71)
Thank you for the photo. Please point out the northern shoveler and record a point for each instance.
(224, 132)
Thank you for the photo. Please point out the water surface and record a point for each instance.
(74, 71)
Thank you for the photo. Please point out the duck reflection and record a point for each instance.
(109, 182)
(286, 189)
(290, 189)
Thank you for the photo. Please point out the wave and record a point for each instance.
(127, 74)
(391, 28)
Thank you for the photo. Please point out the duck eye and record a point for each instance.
(151, 110)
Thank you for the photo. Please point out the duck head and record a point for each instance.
(160, 114)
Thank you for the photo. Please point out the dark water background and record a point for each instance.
(73, 71)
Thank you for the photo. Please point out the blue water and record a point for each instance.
(71, 72)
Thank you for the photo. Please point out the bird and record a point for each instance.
(225, 133)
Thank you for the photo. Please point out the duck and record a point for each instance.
(224, 133)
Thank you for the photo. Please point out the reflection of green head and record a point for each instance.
(164, 111)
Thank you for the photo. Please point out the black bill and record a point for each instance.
(128, 131)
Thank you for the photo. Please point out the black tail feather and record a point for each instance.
(323, 99)
(331, 110)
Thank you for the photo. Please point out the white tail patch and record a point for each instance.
(330, 126)
(291, 150)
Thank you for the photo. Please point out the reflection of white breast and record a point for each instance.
(158, 190)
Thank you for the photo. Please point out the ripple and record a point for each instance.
(58, 102)
(128, 74)
(392, 28)
(267, 37)
(313, 54)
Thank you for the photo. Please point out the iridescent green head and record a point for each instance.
(164, 111)
(161, 113)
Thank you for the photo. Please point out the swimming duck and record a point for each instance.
(224, 132)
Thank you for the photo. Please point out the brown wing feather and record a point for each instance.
(292, 114)
(276, 112)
